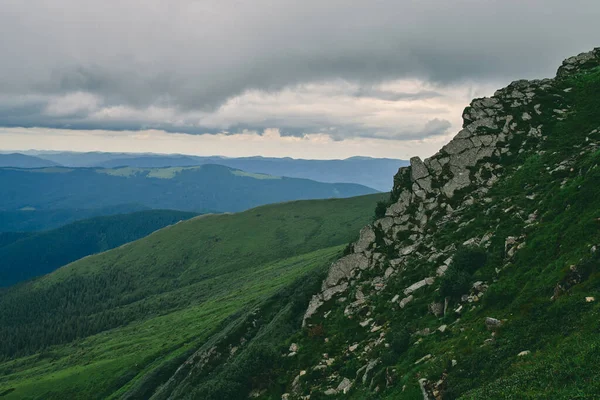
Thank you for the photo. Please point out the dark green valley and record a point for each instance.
(26, 255)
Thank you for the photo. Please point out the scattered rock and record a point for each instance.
(365, 322)
(368, 368)
(422, 385)
(590, 299)
(441, 270)
(344, 386)
(423, 332)
(293, 347)
(406, 300)
(492, 323)
(423, 359)
(442, 328)
(418, 285)
(436, 309)
(524, 353)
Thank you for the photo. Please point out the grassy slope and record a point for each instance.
(562, 335)
(150, 301)
(40, 253)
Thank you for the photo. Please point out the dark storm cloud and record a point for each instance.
(195, 55)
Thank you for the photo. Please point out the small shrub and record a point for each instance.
(455, 283)
(469, 259)
(380, 209)
(457, 279)
(399, 340)
(316, 331)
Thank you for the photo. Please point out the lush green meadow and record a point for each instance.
(94, 328)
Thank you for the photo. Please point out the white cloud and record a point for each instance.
(249, 143)
(393, 69)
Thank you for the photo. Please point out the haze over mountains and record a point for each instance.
(24, 161)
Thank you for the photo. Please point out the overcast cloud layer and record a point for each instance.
(392, 70)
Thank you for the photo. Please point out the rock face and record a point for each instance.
(576, 63)
(427, 188)
(434, 193)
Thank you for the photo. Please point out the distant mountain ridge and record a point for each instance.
(200, 188)
(24, 161)
(372, 172)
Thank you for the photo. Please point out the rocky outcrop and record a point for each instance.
(577, 63)
(434, 193)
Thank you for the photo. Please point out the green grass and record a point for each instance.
(96, 327)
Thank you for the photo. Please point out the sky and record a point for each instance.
(310, 79)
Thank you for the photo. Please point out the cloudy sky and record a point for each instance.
(310, 79)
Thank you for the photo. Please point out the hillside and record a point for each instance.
(122, 321)
(24, 161)
(30, 255)
(28, 219)
(200, 189)
(479, 280)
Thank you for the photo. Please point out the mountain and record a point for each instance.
(24, 161)
(372, 172)
(77, 159)
(122, 321)
(479, 278)
(29, 219)
(28, 255)
(200, 189)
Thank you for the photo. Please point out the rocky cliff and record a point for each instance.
(480, 195)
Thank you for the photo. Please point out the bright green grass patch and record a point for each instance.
(86, 368)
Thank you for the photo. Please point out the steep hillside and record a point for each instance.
(120, 323)
(480, 279)
(200, 189)
(24, 161)
(40, 253)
